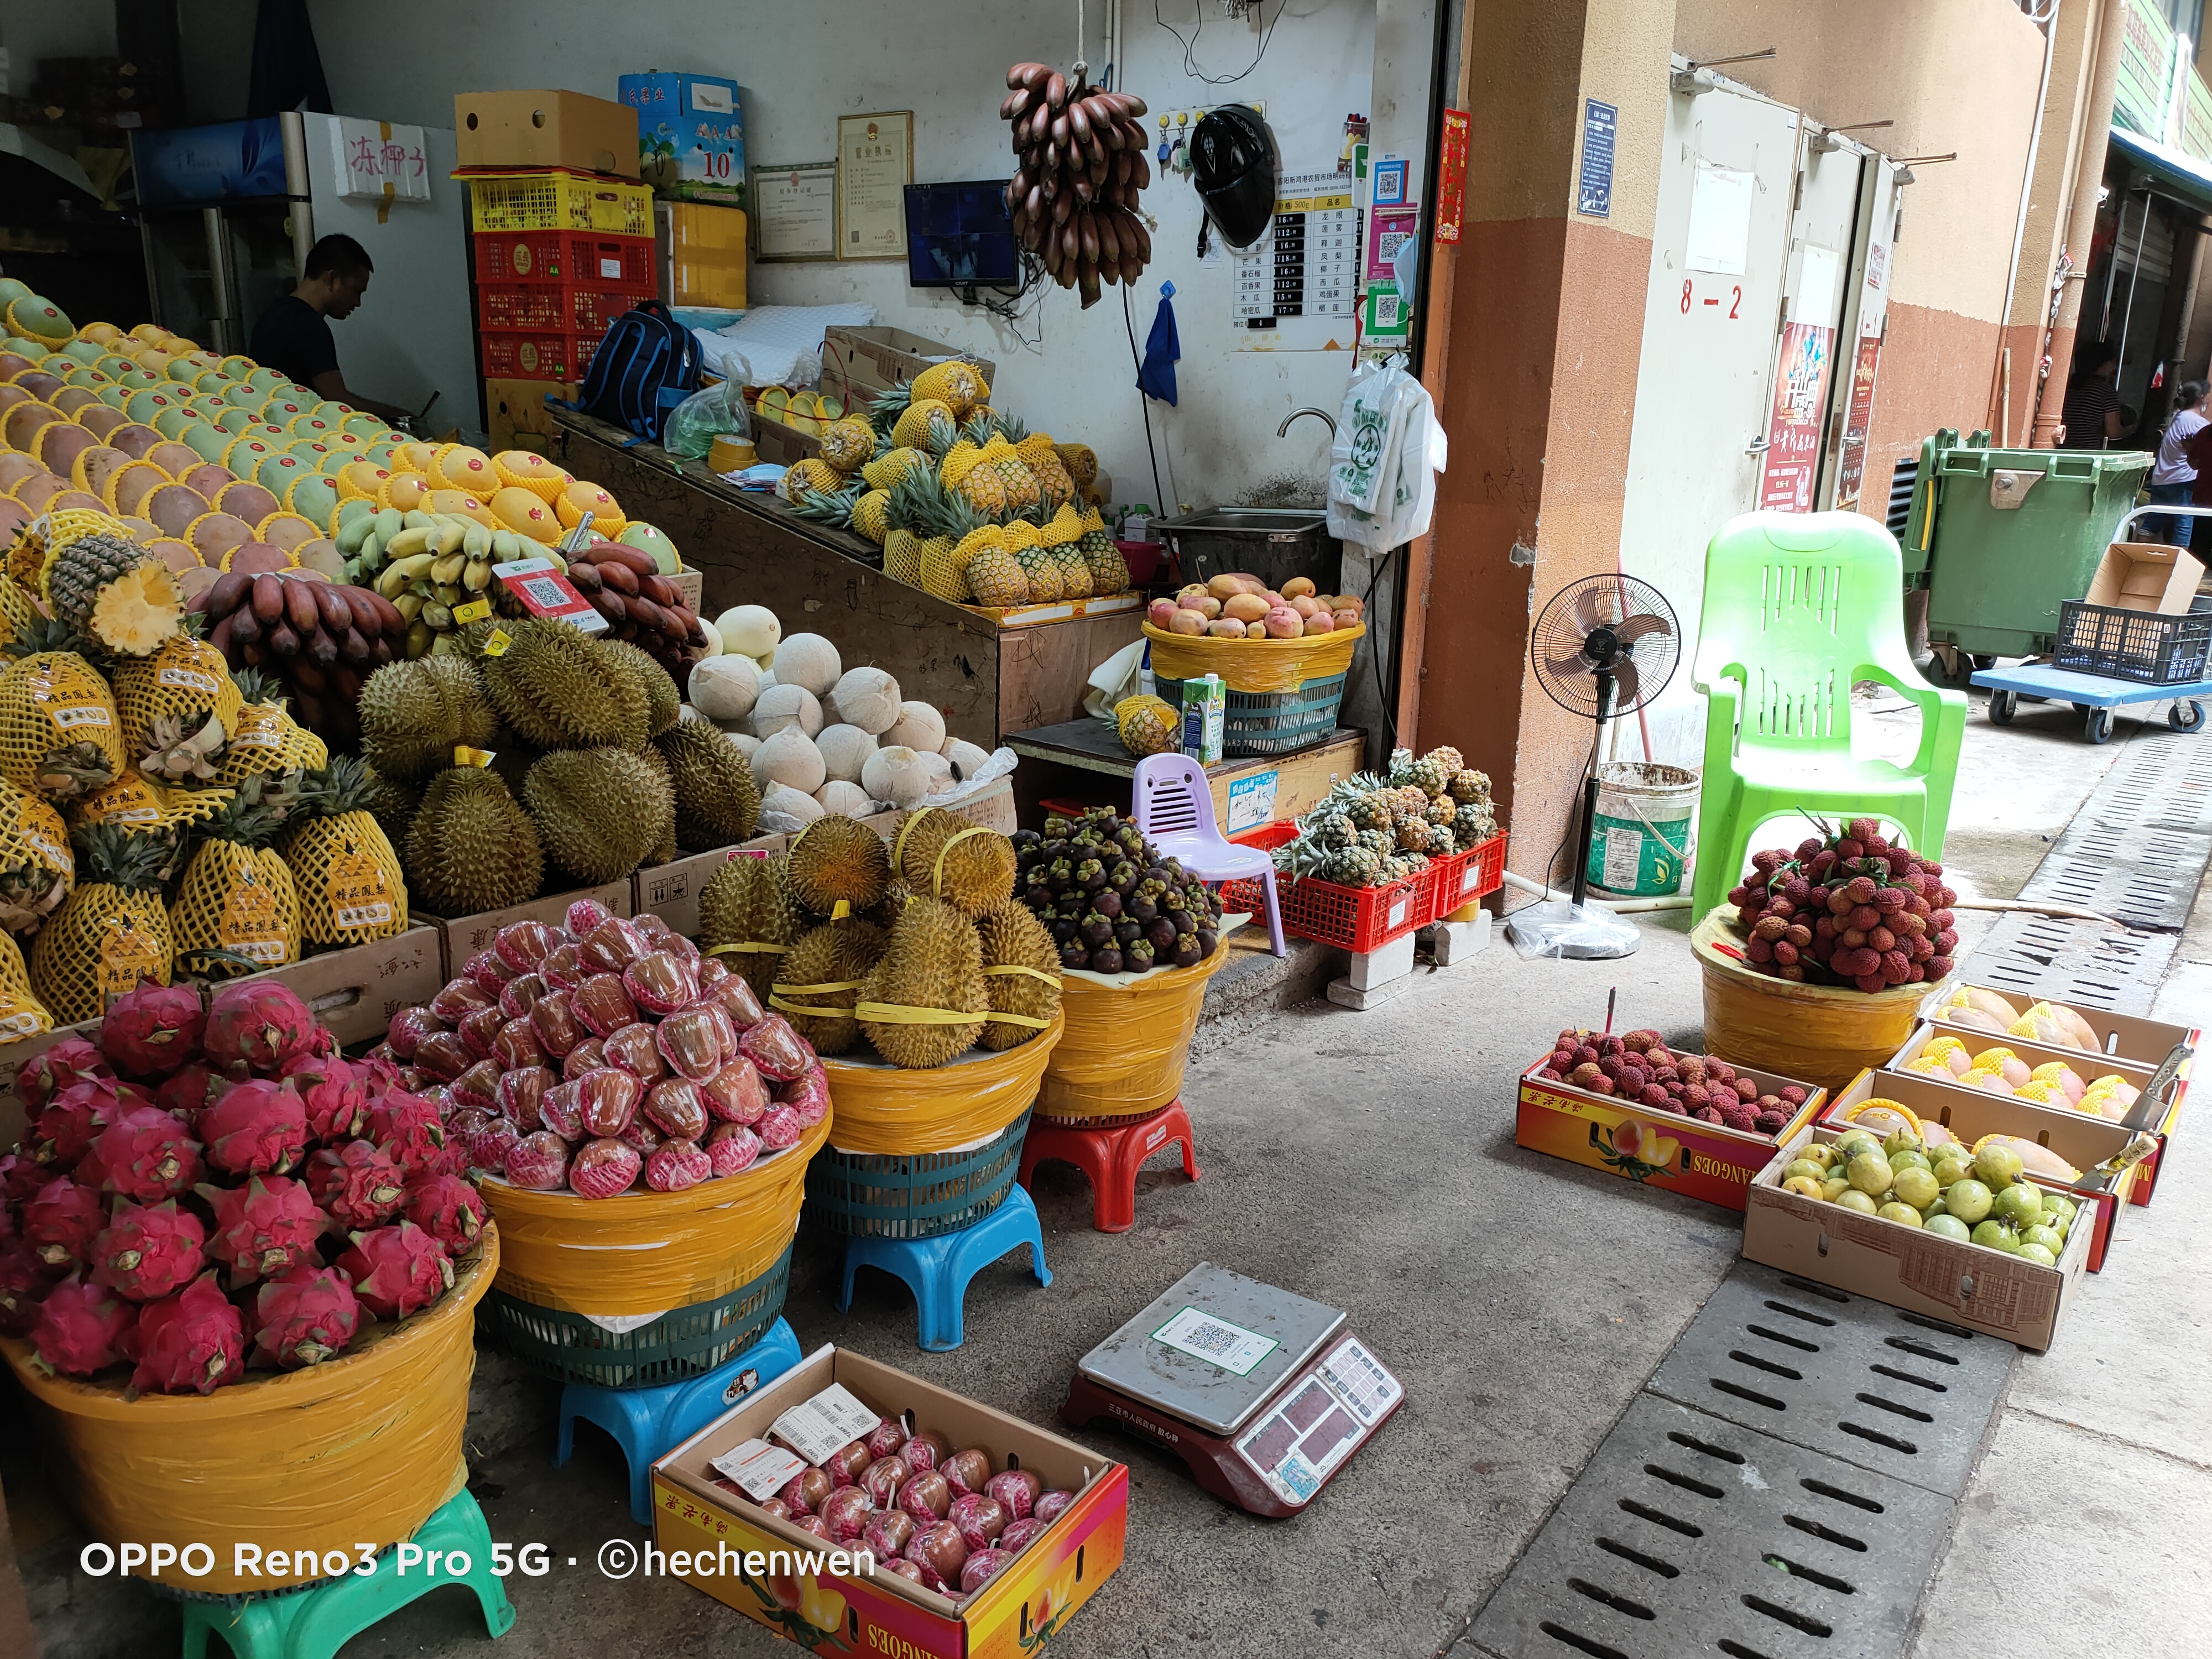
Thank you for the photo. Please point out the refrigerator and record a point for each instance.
(226, 222)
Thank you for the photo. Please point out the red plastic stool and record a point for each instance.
(1110, 1151)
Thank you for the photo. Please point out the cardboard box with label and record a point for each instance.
(691, 137)
(463, 936)
(516, 415)
(718, 1542)
(2146, 576)
(858, 363)
(545, 129)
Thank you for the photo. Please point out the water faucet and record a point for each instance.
(1320, 415)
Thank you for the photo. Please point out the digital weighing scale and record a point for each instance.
(1265, 1394)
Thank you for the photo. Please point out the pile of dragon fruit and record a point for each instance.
(606, 1053)
(210, 1189)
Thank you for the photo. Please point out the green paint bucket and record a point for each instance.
(1640, 838)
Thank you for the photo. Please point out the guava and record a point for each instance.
(1852, 1142)
(1835, 1186)
(1997, 1164)
(1871, 1173)
(1904, 1214)
(1997, 1236)
(1968, 1200)
(2036, 1253)
(2049, 1237)
(1804, 1186)
(1916, 1188)
(1901, 1140)
(1852, 1198)
(1908, 1159)
(1809, 1168)
(2021, 1204)
(1935, 1207)
(1949, 1225)
(1950, 1170)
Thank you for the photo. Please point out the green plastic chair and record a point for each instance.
(1798, 607)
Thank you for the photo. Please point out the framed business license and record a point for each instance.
(875, 164)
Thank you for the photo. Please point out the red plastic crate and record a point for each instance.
(1356, 919)
(539, 354)
(576, 257)
(1466, 876)
(565, 307)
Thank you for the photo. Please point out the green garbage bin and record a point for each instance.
(2001, 537)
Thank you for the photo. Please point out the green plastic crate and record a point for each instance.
(685, 1342)
(913, 1195)
(1271, 722)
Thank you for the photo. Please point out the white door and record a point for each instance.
(1821, 234)
(1866, 322)
(1726, 185)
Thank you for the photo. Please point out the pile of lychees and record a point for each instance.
(1639, 1068)
(1848, 909)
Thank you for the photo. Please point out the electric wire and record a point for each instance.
(1190, 46)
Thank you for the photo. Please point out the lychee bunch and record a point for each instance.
(1848, 909)
(1638, 1068)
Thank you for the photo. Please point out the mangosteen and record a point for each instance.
(1023, 838)
(1072, 954)
(1096, 930)
(1064, 930)
(1158, 872)
(1061, 874)
(1090, 875)
(1185, 950)
(1172, 902)
(1105, 815)
(1127, 933)
(1122, 877)
(1038, 896)
(1137, 958)
(1141, 908)
(1162, 936)
(1108, 903)
(1129, 839)
(1107, 959)
(1207, 940)
(1185, 921)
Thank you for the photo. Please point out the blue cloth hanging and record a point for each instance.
(1156, 376)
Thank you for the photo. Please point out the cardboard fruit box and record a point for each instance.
(671, 890)
(1652, 1148)
(2123, 1036)
(1969, 1114)
(1030, 1600)
(463, 936)
(1963, 1284)
(2089, 1067)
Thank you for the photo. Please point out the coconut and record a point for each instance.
(725, 688)
(940, 773)
(810, 660)
(790, 758)
(786, 705)
(748, 744)
(845, 751)
(748, 630)
(846, 799)
(919, 726)
(867, 698)
(966, 758)
(896, 775)
(791, 804)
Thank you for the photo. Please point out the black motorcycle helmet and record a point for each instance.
(1233, 166)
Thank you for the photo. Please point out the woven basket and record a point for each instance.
(1254, 665)
(1127, 1039)
(881, 1108)
(914, 1195)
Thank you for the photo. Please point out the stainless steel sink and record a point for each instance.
(1268, 520)
(1273, 543)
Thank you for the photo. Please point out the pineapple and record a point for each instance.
(886, 407)
(111, 932)
(1110, 571)
(892, 465)
(1081, 463)
(872, 515)
(1450, 758)
(1021, 484)
(1467, 785)
(187, 677)
(963, 472)
(928, 423)
(108, 587)
(911, 515)
(59, 734)
(1057, 539)
(847, 444)
(1044, 464)
(831, 507)
(957, 384)
(183, 748)
(963, 534)
(995, 577)
(351, 892)
(1146, 725)
(27, 560)
(237, 910)
(810, 475)
(1430, 774)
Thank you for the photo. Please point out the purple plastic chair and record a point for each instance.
(1173, 810)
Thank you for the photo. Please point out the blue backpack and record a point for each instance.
(648, 364)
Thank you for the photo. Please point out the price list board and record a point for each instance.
(1307, 264)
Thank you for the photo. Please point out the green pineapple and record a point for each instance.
(1430, 774)
(1469, 786)
(1110, 571)
(1473, 824)
(832, 507)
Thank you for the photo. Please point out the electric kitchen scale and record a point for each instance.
(1265, 1394)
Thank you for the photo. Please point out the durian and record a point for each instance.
(941, 853)
(1013, 940)
(933, 965)
(717, 804)
(471, 848)
(824, 970)
(838, 860)
(664, 828)
(748, 917)
(393, 805)
(414, 714)
(664, 704)
(599, 812)
(558, 690)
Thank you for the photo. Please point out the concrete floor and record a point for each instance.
(1368, 1160)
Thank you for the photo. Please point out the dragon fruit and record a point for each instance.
(398, 1271)
(676, 1164)
(257, 1024)
(191, 1089)
(448, 1209)
(191, 1342)
(732, 1147)
(80, 1329)
(603, 1168)
(45, 1075)
(20, 1177)
(22, 1285)
(72, 1120)
(539, 1161)
(264, 1228)
(409, 1129)
(151, 1032)
(258, 1128)
(408, 1029)
(356, 1184)
(335, 1093)
(304, 1316)
(488, 1147)
(60, 1223)
(147, 1154)
(585, 915)
(148, 1251)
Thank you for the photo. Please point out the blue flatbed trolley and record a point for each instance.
(2093, 696)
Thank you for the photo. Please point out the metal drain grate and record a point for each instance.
(2142, 875)
(1689, 1535)
(1904, 1395)
(2070, 960)
(2161, 780)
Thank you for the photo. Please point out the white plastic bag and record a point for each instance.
(1383, 466)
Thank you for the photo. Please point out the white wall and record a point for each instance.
(403, 60)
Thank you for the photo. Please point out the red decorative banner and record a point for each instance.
(1850, 467)
(1451, 176)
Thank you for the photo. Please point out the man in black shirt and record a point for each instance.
(293, 337)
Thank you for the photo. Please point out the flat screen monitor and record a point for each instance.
(959, 234)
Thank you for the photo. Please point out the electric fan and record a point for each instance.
(1603, 646)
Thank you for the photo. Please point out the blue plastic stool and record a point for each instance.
(648, 1423)
(316, 1622)
(937, 1270)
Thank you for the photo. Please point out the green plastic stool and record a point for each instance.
(316, 1622)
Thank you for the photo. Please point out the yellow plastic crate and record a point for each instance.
(552, 199)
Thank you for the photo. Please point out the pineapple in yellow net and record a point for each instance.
(21, 1013)
(237, 909)
(36, 867)
(957, 384)
(994, 576)
(847, 444)
(810, 475)
(928, 423)
(187, 680)
(963, 535)
(911, 514)
(1110, 571)
(1039, 568)
(1055, 486)
(1020, 484)
(894, 464)
(351, 888)
(49, 533)
(964, 472)
(1082, 464)
(1146, 725)
(264, 738)
(136, 802)
(59, 737)
(872, 515)
(1059, 538)
(109, 934)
